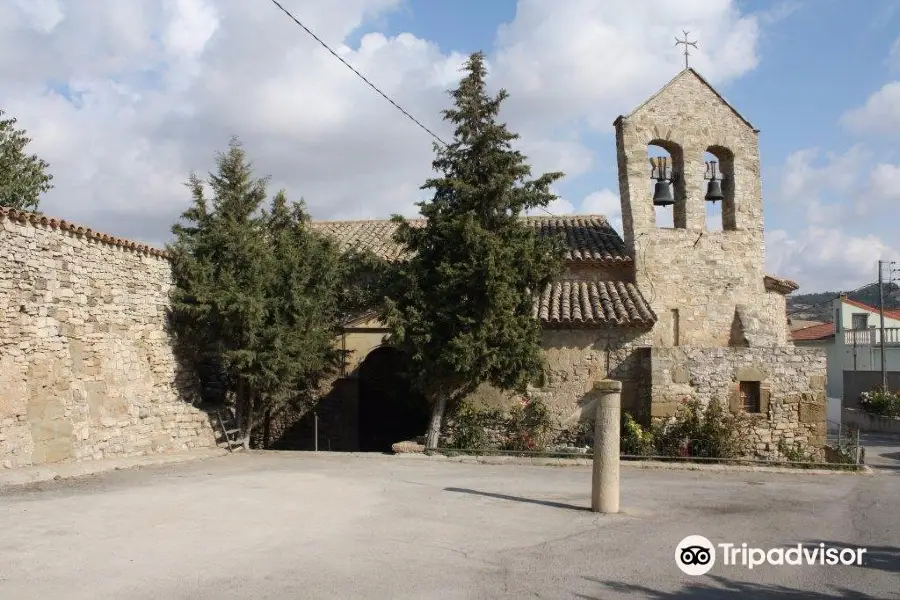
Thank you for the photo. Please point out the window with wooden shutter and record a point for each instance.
(750, 396)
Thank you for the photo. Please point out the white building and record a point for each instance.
(852, 342)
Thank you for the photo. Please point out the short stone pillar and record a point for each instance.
(605, 488)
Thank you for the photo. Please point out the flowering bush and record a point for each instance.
(695, 431)
(635, 440)
(881, 402)
(527, 427)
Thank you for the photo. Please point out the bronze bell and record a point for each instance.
(662, 194)
(714, 191)
(714, 187)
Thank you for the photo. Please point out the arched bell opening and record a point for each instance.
(721, 214)
(390, 410)
(667, 185)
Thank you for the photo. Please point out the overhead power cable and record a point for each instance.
(829, 300)
(369, 83)
(358, 74)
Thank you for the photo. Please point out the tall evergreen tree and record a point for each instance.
(23, 177)
(463, 304)
(255, 291)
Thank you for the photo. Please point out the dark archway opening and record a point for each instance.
(390, 410)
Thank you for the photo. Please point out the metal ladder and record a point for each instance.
(230, 430)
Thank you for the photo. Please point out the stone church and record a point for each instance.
(88, 371)
(683, 311)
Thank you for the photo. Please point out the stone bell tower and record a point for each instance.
(706, 286)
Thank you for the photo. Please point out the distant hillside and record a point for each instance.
(817, 306)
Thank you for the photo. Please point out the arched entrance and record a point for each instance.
(389, 410)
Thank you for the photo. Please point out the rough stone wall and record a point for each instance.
(792, 382)
(576, 359)
(87, 370)
(775, 311)
(703, 274)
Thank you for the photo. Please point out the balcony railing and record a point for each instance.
(872, 337)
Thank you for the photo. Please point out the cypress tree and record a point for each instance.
(462, 306)
(255, 291)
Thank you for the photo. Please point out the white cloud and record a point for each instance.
(592, 60)
(851, 185)
(879, 115)
(42, 15)
(838, 242)
(560, 206)
(124, 99)
(883, 189)
(193, 24)
(824, 258)
(604, 202)
(802, 179)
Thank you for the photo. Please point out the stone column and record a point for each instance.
(605, 487)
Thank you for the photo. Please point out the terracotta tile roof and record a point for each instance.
(590, 303)
(375, 235)
(589, 238)
(891, 313)
(816, 332)
(780, 284)
(796, 324)
(37, 220)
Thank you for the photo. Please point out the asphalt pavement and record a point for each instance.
(304, 525)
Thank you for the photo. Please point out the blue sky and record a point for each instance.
(126, 98)
(822, 58)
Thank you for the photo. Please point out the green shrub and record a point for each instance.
(880, 401)
(635, 440)
(529, 427)
(580, 435)
(710, 432)
(472, 425)
(794, 453)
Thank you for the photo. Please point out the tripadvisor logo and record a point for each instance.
(696, 555)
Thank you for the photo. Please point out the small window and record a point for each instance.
(750, 396)
(860, 321)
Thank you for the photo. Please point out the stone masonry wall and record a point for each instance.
(775, 311)
(705, 275)
(792, 382)
(87, 370)
(576, 358)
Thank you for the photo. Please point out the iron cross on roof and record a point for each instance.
(686, 44)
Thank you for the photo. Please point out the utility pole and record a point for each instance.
(884, 385)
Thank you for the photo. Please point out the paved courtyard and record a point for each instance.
(302, 525)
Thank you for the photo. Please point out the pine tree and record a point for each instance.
(255, 291)
(23, 177)
(463, 304)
